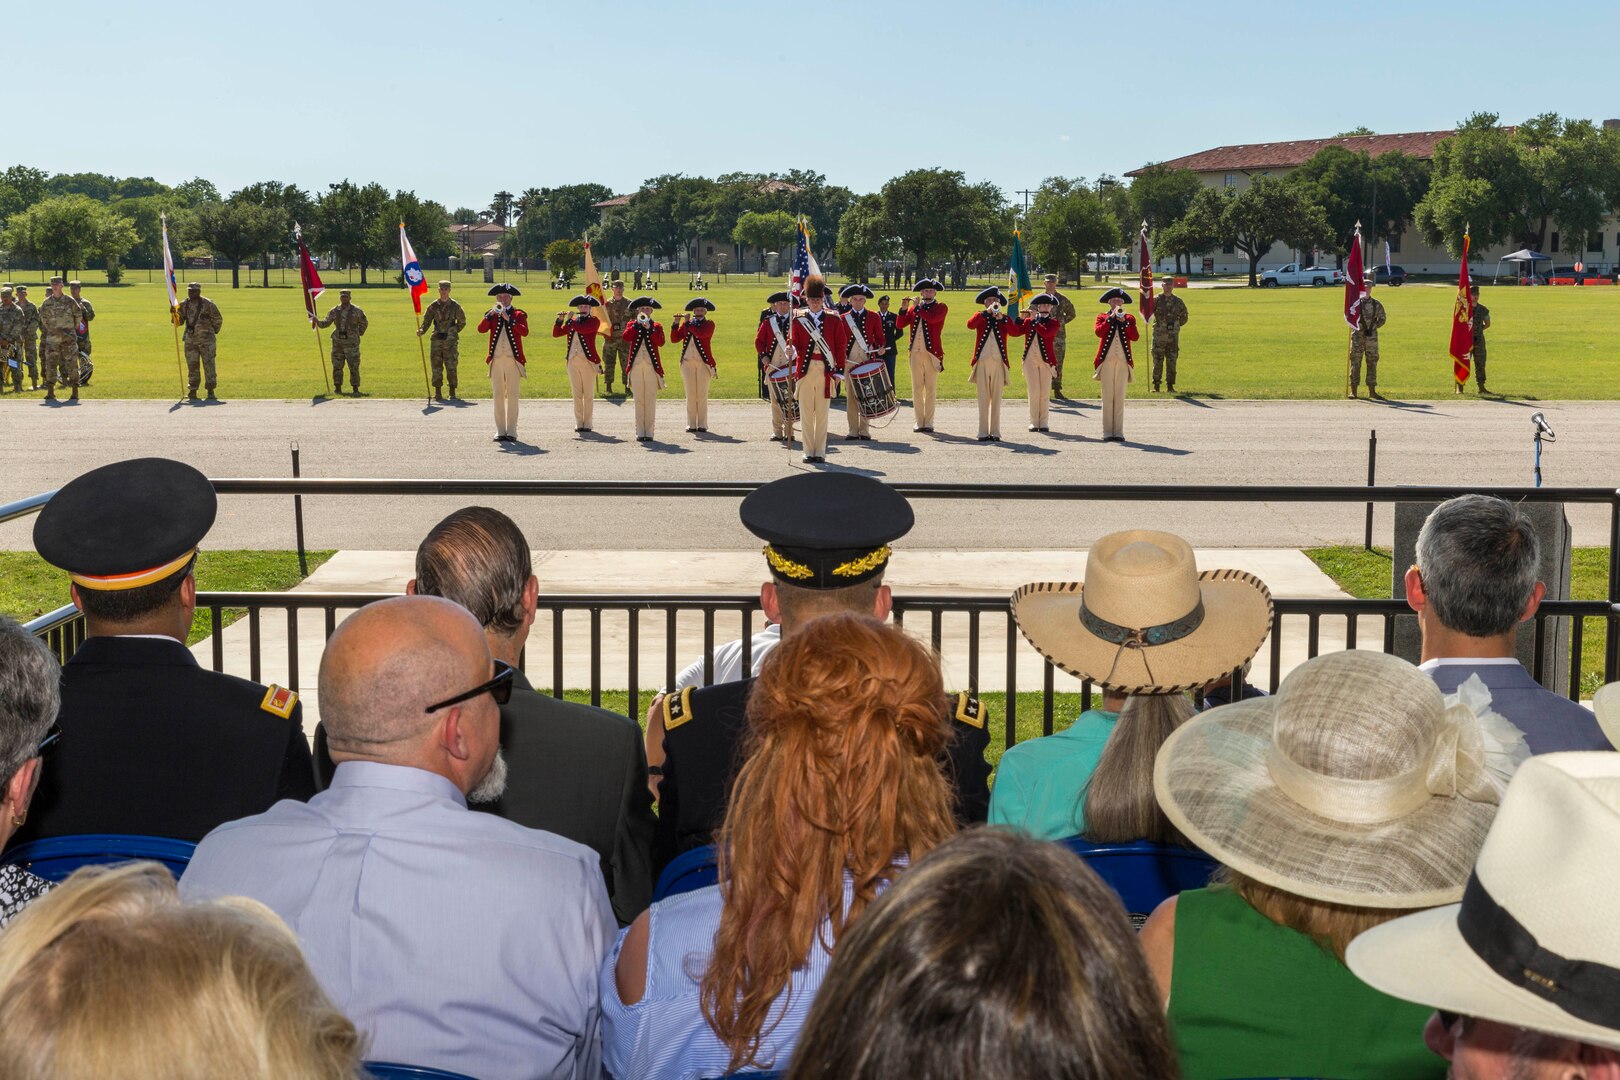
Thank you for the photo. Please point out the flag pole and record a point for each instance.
(320, 349)
(422, 349)
(179, 366)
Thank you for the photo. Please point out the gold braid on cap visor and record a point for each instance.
(864, 564)
(786, 566)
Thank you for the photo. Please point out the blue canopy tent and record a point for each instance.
(1523, 255)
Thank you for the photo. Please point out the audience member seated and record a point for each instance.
(992, 956)
(827, 538)
(1477, 578)
(112, 976)
(152, 744)
(572, 770)
(839, 786)
(1353, 796)
(1218, 692)
(455, 940)
(30, 695)
(1526, 970)
(1144, 623)
(728, 660)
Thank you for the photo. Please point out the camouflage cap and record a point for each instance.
(444, 284)
(56, 279)
(22, 288)
(75, 284)
(193, 285)
(345, 292)
(5, 290)
(1050, 277)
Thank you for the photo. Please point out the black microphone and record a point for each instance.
(1544, 428)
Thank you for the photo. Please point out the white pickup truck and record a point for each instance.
(1294, 274)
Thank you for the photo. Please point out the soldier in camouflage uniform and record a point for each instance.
(11, 339)
(614, 349)
(1169, 316)
(350, 324)
(202, 321)
(1065, 315)
(1482, 323)
(446, 320)
(30, 339)
(59, 318)
(86, 314)
(1364, 342)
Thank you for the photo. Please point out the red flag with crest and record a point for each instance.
(1462, 323)
(1354, 283)
(306, 268)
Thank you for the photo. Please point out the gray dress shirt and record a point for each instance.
(454, 940)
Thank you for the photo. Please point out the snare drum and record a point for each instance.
(780, 380)
(874, 393)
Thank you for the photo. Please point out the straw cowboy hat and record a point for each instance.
(1606, 703)
(1145, 621)
(1534, 943)
(1356, 784)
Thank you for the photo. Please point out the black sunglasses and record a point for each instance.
(53, 735)
(498, 687)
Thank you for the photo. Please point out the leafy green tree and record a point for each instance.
(547, 214)
(1067, 221)
(236, 229)
(1117, 197)
(863, 236)
(979, 227)
(97, 186)
(289, 203)
(426, 221)
(1269, 211)
(195, 192)
(565, 256)
(500, 208)
(21, 186)
(667, 213)
(1350, 186)
(1161, 195)
(465, 215)
(68, 231)
(766, 230)
(356, 224)
(1197, 231)
(918, 206)
(145, 216)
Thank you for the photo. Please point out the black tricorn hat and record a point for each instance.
(777, 298)
(128, 524)
(992, 293)
(854, 289)
(644, 302)
(1115, 291)
(700, 302)
(1045, 299)
(928, 283)
(826, 530)
(583, 299)
(504, 287)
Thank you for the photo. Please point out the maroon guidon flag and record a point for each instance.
(1146, 281)
(1462, 323)
(1354, 282)
(310, 275)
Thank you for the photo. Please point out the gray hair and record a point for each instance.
(30, 695)
(478, 558)
(1480, 559)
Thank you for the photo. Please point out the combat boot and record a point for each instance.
(437, 394)
(75, 395)
(50, 394)
(211, 396)
(191, 395)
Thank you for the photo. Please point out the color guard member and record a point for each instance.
(865, 344)
(927, 321)
(644, 336)
(1040, 357)
(695, 331)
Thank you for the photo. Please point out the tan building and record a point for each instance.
(1237, 166)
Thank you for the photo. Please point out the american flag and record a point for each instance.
(804, 263)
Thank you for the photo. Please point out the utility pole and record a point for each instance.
(1026, 193)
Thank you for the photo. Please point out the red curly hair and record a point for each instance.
(840, 776)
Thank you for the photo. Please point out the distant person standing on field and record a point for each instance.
(1482, 323)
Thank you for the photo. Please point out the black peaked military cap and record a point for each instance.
(644, 302)
(857, 289)
(928, 283)
(1111, 293)
(583, 299)
(504, 287)
(127, 524)
(777, 298)
(992, 293)
(826, 530)
(700, 302)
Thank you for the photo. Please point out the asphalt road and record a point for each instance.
(1172, 442)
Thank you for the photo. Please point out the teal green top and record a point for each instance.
(1039, 781)
(1251, 998)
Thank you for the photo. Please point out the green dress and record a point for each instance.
(1251, 998)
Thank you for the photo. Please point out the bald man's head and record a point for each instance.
(387, 663)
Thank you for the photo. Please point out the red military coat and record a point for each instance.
(868, 327)
(982, 326)
(834, 332)
(1107, 330)
(928, 321)
(586, 329)
(765, 337)
(515, 329)
(652, 335)
(1044, 331)
(701, 335)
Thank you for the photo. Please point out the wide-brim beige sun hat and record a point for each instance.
(1534, 943)
(1355, 784)
(1145, 620)
(1606, 704)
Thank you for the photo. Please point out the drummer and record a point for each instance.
(865, 347)
(775, 355)
(990, 360)
(1040, 356)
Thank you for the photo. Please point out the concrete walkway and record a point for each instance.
(687, 573)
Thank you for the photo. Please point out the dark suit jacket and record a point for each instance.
(153, 744)
(701, 759)
(578, 772)
(1550, 722)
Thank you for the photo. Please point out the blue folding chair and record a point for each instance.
(686, 872)
(1144, 874)
(390, 1070)
(55, 857)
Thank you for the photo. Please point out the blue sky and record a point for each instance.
(1009, 92)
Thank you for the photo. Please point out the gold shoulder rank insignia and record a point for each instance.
(677, 709)
(279, 701)
(971, 711)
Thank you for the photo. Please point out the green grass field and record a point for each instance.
(1546, 343)
(1366, 575)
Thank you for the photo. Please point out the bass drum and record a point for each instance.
(874, 393)
(780, 380)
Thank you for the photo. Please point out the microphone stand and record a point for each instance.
(1538, 457)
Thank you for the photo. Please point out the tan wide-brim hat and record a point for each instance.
(1145, 620)
(1606, 703)
(1355, 784)
(1534, 943)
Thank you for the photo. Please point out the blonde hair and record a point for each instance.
(1332, 926)
(110, 969)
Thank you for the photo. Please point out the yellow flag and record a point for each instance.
(593, 289)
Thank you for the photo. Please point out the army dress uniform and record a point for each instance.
(12, 322)
(31, 331)
(153, 744)
(350, 325)
(59, 320)
(202, 321)
(1364, 343)
(823, 531)
(614, 350)
(444, 321)
(1481, 323)
(1169, 316)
